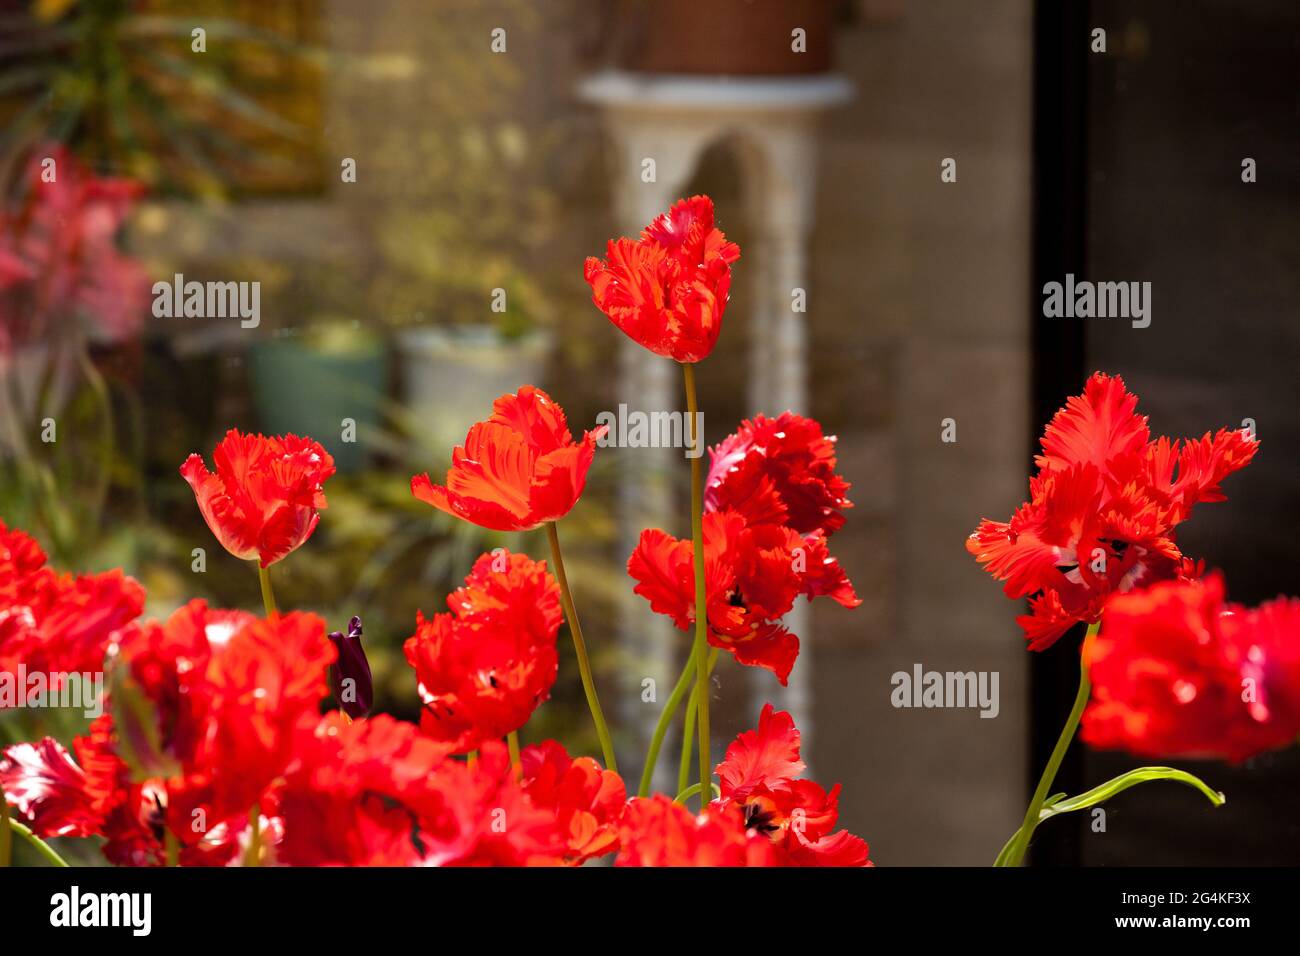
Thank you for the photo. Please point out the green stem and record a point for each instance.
(43, 848)
(171, 849)
(701, 590)
(661, 729)
(253, 855)
(268, 596)
(688, 725)
(1016, 853)
(1006, 849)
(688, 741)
(512, 742)
(580, 646)
(695, 789)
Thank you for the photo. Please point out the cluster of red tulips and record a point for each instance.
(213, 750)
(1167, 667)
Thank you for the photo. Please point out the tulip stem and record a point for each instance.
(43, 848)
(661, 728)
(694, 789)
(688, 726)
(688, 739)
(268, 596)
(253, 855)
(580, 646)
(701, 592)
(1015, 854)
(512, 741)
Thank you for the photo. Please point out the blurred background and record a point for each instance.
(415, 186)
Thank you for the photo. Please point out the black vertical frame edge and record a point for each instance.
(1058, 348)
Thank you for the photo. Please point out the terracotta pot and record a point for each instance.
(740, 37)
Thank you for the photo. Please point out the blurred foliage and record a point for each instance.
(447, 209)
(122, 80)
(444, 210)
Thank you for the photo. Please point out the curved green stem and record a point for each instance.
(1016, 853)
(661, 728)
(268, 596)
(1006, 849)
(701, 589)
(43, 848)
(694, 790)
(580, 646)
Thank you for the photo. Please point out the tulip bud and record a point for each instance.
(350, 680)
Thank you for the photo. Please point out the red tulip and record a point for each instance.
(658, 832)
(261, 688)
(56, 623)
(753, 574)
(519, 469)
(1102, 510)
(48, 789)
(668, 289)
(354, 793)
(485, 667)
(477, 815)
(760, 774)
(1177, 672)
(587, 801)
(779, 471)
(265, 498)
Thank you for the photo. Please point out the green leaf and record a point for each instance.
(1059, 803)
(1102, 793)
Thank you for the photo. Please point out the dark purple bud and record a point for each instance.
(350, 681)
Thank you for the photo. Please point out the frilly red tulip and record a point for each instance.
(779, 471)
(57, 623)
(668, 289)
(760, 774)
(519, 469)
(485, 667)
(753, 574)
(1102, 510)
(265, 497)
(1178, 672)
(587, 801)
(658, 832)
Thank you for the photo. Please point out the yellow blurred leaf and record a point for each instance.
(50, 10)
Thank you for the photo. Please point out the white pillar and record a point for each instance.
(780, 174)
(672, 120)
(648, 383)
